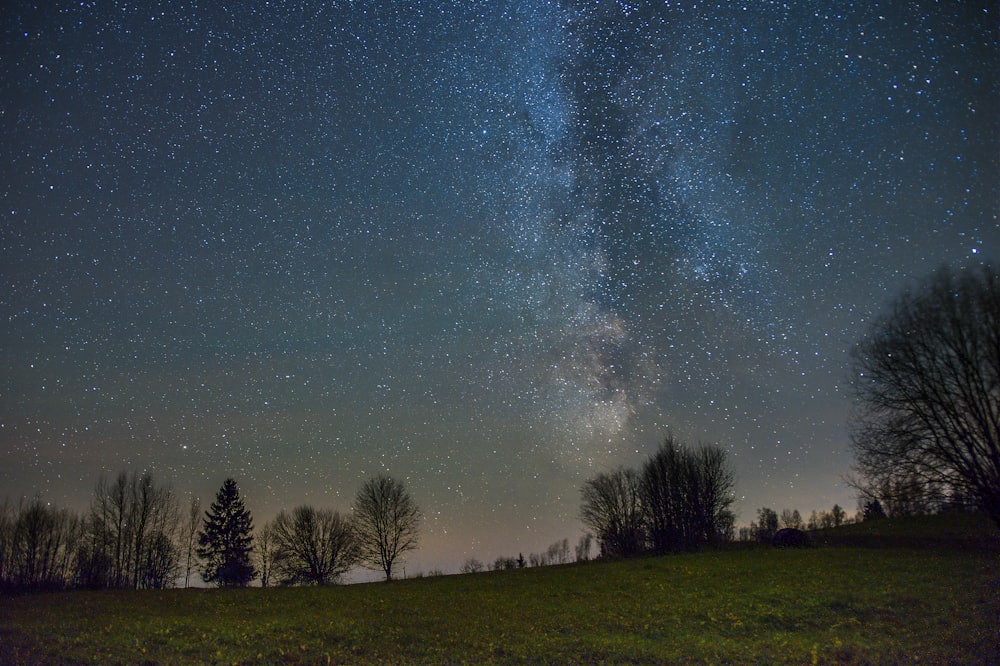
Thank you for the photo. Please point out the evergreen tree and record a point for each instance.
(225, 542)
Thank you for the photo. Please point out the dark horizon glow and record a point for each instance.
(489, 248)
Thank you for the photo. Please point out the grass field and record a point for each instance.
(838, 605)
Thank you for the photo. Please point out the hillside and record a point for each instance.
(817, 605)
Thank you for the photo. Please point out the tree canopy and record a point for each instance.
(927, 383)
(387, 521)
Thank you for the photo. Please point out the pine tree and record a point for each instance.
(226, 541)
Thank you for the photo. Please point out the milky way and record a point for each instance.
(491, 248)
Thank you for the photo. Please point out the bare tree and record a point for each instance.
(583, 548)
(312, 547)
(387, 521)
(39, 543)
(504, 564)
(767, 524)
(791, 519)
(7, 518)
(558, 553)
(927, 381)
(265, 549)
(130, 536)
(472, 565)
(686, 495)
(612, 509)
(838, 515)
(190, 531)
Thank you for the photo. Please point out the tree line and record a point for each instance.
(134, 535)
(679, 499)
(926, 437)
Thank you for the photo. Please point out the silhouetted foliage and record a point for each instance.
(927, 382)
(190, 531)
(472, 565)
(764, 529)
(612, 510)
(226, 540)
(312, 546)
(872, 510)
(686, 495)
(130, 535)
(387, 521)
(582, 550)
(264, 549)
(838, 515)
(503, 564)
(681, 499)
(791, 518)
(38, 546)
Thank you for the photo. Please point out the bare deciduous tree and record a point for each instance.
(41, 542)
(686, 496)
(927, 382)
(612, 509)
(130, 536)
(387, 521)
(767, 524)
(312, 546)
(265, 551)
(791, 519)
(583, 548)
(472, 565)
(190, 530)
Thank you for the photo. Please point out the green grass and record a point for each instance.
(818, 605)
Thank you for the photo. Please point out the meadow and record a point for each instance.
(833, 604)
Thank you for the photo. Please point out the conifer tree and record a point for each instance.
(225, 542)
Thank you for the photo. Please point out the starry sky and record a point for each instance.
(491, 248)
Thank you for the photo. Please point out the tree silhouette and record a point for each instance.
(612, 509)
(767, 524)
(686, 494)
(387, 521)
(225, 542)
(130, 534)
(927, 380)
(313, 547)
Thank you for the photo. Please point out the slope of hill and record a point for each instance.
(950, 530)
(838, 605)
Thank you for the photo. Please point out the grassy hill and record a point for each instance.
(761, 605)
(949, 530)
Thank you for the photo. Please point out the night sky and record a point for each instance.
(489, 248)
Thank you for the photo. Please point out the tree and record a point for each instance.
(312, 547)
(40, 543)
(266, 552)
(582, 550)
(686, 495)
(872, 510)
(791, 519)
(612, 509)
(387, 521)
(226, 542)
(766, 526)
(558, 553)
(190, 530)
(837, 515)
(130, 536)
(504, 564)
(472, 565)
(927, 383)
